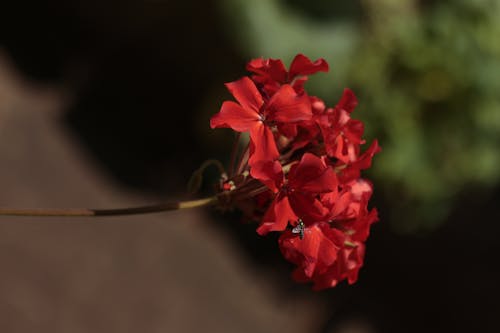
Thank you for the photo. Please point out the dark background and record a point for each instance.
(131, 87)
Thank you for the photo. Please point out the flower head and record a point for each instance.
(301, 172)
(270, 74)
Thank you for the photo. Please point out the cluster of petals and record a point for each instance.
(308, 159)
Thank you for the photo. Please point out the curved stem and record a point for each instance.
(196, 179)
(210, 162)
(87, 212)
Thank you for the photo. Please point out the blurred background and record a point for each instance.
(107, 104)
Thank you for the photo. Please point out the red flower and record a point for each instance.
(307, 131)
(342, 135)
(348, 209)
(352, 170)
(271, 73)
(326, 258)
(258, 117)
(297, 196)
(346, 267)
(302, 169)
(349, 201)
(313, 254)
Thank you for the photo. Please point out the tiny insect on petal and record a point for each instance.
(299, 229)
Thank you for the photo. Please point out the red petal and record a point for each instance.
(262, 145)
(310, 209)
(298, 84)
(246, 93)
(257, 66)
(315, 252)
(288, 130)
(353, 131)
(269, 68)
(349, 261)
(341, 152)
(234, 116)
(270, 173)
(287, 106)
(277, 216)
(317, 104)
(352, 171)
(362, 225)
(354, 262)
(302, 65)
(360, 188)
(337, 202)
(312, 175)
(348, 101)
(365, 160)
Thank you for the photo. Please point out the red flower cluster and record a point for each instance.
(300, 174)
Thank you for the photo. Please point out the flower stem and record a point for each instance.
(87, 212)
(244, 160)
(233, 154)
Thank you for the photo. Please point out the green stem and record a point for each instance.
(87, 212)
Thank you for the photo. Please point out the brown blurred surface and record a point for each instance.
(152, 273)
